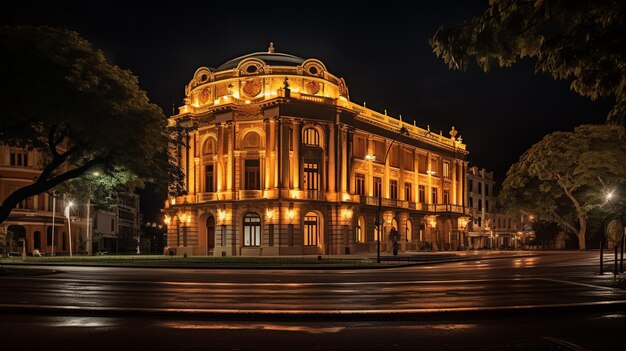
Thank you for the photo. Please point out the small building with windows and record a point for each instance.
(279, 161)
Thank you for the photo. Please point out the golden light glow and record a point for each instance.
(370, 157)
(221, 214)
(173, 201)
(167, 219)
(269, 213)
(295, 194)
(291, 214)
(346, 214)
(346, 197)
(432, 221)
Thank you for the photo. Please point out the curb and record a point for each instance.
(382, 266)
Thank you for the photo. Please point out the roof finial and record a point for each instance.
(271, 50)
(400, 117)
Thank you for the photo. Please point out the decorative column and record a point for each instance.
(453, 198)
(231, 152)
(344, 160)
(331, 160)
(268, 153)
(219, 165)
(295, 167)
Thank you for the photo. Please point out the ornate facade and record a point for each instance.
(281, 162)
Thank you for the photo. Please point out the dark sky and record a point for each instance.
(382, 52)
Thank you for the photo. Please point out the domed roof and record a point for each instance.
(270, 58)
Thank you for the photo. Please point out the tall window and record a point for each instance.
(311, 137)
(393, 189)
(208, 179)
(486, 189)
(360, 230)
(19, 158)
(252, 174)
(408, 192)
(359, 149)
(379, 151)
(377, 186)
(407, 160)
(422, 193)
(311, 229)
(486, 205)
(480, 187)
(446, 196)
(394, 156)
(433, 193)
(480, 205)
(359, 180)
(251, 230)
(311, 176)
(434, 166)
(471, 201)
(470, 185)
(422, 163)
(446, 170)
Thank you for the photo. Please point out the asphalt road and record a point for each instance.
(548, 301)
(543, 280)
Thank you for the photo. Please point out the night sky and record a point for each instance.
(381, 52)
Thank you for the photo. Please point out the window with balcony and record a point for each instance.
(251, 230)
(252, 175)
(208, 179)
(408, 192)
(393, 189)
(359, 180)
(311, 137)
(377, 186)
(311, 179)
(446, 196)
(433, 194)
(422, 193)
(434, 167)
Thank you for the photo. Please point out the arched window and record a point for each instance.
(208, 148)
(360, 230)
(409, 230)
(311, 229)
(251, 230)
(311, 137)
(252, 140)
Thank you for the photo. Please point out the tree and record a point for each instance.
(566, 175)
(63, 98)
(577, 40)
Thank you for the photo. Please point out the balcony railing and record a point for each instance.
(311, 194)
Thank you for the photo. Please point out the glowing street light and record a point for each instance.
(69, 224)
(405, 131)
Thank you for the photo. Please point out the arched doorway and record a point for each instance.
(312, 233)
(210, 234)
(37, 240)
(360, 230)
(409, 230)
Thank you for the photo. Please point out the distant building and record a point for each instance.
(281, 162)
(30, 222)
(489, 226)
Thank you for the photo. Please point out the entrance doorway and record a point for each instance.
(210, 234)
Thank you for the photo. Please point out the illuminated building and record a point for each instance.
(280, 162)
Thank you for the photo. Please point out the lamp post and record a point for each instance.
(402, 130)
(69, 224)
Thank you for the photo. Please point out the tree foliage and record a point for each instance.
(63, 98)
(577, 40)
(567, 175)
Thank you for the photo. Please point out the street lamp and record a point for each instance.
(69, 224)
(402, 130)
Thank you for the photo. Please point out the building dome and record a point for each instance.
(269, 58)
